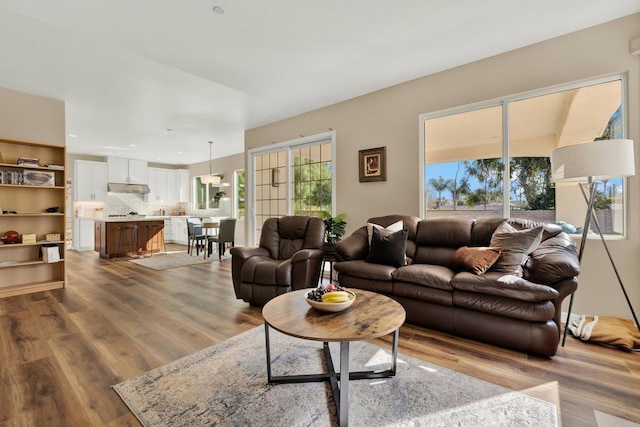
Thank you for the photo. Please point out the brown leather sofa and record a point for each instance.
(288, 258)
(521, 313)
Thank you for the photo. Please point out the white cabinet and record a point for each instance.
(172, 186)
(90, 181)
(179, 229)
(83, 233)
(158, 184)
(168, 230)
(182, 184)
(168, 185)
(127, 171)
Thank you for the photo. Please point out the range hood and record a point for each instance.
(128, 188)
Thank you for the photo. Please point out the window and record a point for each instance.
(292, 178)
(239, 180)
(493, 159)
(210, 196)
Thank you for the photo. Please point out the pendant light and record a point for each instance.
(210, 179)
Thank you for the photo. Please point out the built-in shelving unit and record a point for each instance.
(29, 195)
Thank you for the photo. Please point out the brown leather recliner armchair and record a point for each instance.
(288, 258)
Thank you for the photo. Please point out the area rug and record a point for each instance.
(225, 385)
(173, 260)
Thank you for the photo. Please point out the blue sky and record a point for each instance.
(447, 171)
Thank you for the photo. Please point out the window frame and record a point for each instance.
(504, 102)
(287, 146)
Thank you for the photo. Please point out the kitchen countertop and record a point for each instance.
(132, 218)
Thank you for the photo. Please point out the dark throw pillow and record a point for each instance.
(516, 246)
(388, 249)
(475, 260)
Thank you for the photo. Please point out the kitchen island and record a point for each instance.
(141, 235)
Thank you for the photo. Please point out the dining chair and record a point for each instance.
(195, 236)
(226, 233)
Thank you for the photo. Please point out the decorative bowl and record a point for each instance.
(331, 306)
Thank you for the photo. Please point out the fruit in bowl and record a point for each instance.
(331, 298)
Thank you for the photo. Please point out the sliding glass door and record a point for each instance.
(292, 178)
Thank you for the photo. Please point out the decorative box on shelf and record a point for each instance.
(39, 178)
(29, 161)
(29, 238)
(52, 237)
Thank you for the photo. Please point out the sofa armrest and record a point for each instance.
(352, 248)
(305, 254)
(246, 252)
(554, 260)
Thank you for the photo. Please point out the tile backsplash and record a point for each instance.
(123, 203)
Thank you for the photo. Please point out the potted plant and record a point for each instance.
(216, 198)
(334, 229)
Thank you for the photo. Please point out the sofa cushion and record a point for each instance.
(516, 246)
(475, 260)
(388, 249)
(266, 271)
(434, 276)
(365, 270)
(417, 292)
(505, 285)
(540, 311)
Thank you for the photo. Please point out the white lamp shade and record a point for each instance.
(600, 160)
(210, 179)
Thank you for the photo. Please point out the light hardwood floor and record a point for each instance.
(61, 351)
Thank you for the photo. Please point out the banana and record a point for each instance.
(335, 300)
(336, 296)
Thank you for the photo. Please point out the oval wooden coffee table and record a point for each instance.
(370, 316)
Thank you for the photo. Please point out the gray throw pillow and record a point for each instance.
(516, 246)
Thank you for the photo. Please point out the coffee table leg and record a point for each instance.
(268, 347)
(344, 383)
(394, 351)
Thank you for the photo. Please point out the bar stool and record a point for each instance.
(128, 239)
(157, 238)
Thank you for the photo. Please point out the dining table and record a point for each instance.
(209, 225)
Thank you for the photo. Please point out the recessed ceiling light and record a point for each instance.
(132, 145)
(179, 152)
(72, 135)
(218, 9)
(169, 129)
(159, 158)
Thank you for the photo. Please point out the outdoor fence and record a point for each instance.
(605, 216)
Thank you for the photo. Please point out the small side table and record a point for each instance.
(328, 256)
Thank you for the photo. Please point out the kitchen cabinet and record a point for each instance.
(168, 230)
(158, 185)
(179, 229)
(22, 269)
(182, 185)
(83, 234)
(149, 236)
(168, 185)
(121, 170)
(89, 181)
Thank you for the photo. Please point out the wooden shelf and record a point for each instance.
(11, 291)
(23, 263)
(38, 243)
(50, 187)
(44, 168)
(20, 215)
(26, 272)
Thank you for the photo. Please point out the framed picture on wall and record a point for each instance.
(373, 164)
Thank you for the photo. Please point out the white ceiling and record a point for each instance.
(128, 70)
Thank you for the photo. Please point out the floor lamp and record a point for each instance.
(594, 162)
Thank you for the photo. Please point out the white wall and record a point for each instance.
(389, 117)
